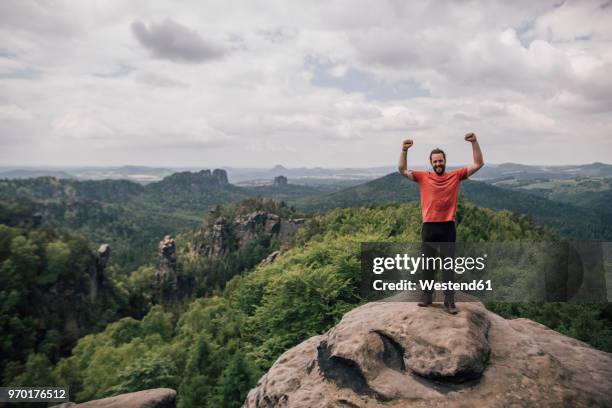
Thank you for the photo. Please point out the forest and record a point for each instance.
(213, 342)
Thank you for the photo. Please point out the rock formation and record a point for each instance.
(270, 258)
(220, 176)
(166, 275)
(280, 181)
(221, 237)
(154, 398)
(396, 354)
(229, 236)
(101, 259)
(217, 177)
(192, 182)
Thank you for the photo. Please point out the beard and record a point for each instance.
(440, 169)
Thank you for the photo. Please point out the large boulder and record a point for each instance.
(396, 354)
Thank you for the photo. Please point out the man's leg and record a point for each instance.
(428, 249)
(448, 250)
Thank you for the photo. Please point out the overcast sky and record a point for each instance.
(303, 83)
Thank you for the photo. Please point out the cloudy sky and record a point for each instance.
(317, 83)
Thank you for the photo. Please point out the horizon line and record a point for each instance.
(266, 167)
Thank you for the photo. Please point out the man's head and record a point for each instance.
(437, 158)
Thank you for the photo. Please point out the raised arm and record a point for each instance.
(402, 167)
(478, 160)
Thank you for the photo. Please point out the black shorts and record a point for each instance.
(439, 232)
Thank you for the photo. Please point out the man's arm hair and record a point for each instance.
(402, 167)
(478, 159)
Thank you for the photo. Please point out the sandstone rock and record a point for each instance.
(249, 227)
(221, 237)
(270, 258)
(229, 236)
(396, 354)
(154, 398)
(289, 227)
(101, 259)
(166, 275)
(220, 176)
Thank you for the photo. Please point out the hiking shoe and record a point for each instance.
(425, 300)
(450, 308)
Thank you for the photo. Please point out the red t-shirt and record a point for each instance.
(439, 194)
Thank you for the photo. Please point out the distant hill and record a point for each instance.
(25, 173)
(566, 218)
(592, 193)
(522, 171)
(132, 218)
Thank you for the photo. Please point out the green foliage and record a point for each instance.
(128, 356)
(37, 371)
(150, 371)
(45, 302)
(591, 323)
(158, 322)
(234, 382)
(203, 367)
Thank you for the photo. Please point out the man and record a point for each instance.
(439, 194)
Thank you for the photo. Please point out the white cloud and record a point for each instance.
(14, 112)
(210, 83)
(80, 126)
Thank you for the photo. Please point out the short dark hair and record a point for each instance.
(437, 150)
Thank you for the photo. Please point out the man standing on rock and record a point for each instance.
(439, 194)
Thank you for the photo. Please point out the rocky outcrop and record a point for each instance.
(258, 223)
(154, 398)
(101, 259)
(221, 239)
(229, 236)
(396, 354)
(217, 177)
(280, 181)
(270, 258)
(220, 176)
(166, 275)
(189, 182)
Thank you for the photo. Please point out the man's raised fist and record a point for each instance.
(407, 144)
(470, 137)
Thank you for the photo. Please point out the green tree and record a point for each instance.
(235, 382)
(149, 371)
(200, 374)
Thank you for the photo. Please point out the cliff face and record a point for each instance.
(166, 275)
(230, 235)
(213, 243)
(101, 259)
(396, 354)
